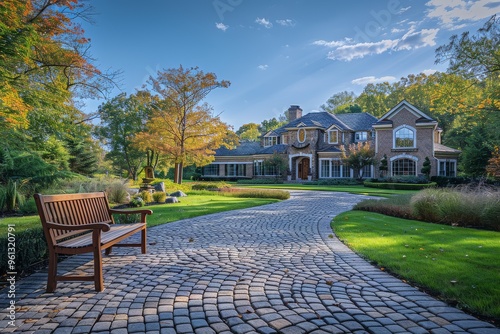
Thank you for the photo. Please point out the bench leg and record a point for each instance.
(108, 250)
(143, 242)
(52, 277)
(98, 278)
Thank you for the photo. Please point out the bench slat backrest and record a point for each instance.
(72, 209)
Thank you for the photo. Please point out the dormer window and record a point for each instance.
(301, 135)
(404, 137)
(333, 137)
(361, 136)
(270, 141)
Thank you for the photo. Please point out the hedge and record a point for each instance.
(30, 248)
(399, 186)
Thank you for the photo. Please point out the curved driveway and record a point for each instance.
(269, 269)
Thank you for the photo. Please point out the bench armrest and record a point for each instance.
(93, 226)
(130, 212)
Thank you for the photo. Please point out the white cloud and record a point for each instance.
(331, 44)
(263, 67)
(347, 50)
(286, 22)
(264, 22)
(402, 10)
(429, 71)
(221, 26)
(452, 13)
(417, 39)
(371, 79)
(360, 50)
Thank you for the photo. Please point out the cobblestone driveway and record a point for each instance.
(269, 269)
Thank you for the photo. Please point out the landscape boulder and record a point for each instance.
(172, 200)
(178, 193)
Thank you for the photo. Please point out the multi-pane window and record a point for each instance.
(333, 137)
(257, 168)
(404, 137)
(211, 170)
(447, 168)
(235, 170)
(404, 167)
(367, 171)
(361, 136)
(270, 141)
(260, 169)
(333, 168)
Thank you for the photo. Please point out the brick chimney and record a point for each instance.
(294, 112)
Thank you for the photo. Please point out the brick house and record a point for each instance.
(311, 145)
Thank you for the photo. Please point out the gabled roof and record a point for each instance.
(422, 117)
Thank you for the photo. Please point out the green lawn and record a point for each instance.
(191, 206)
(360, 190)
(459, 265)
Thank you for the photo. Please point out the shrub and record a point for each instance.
(260, 181)
(210, 186)
(30, 249)
(336, 182)
(399, 186)
(256, 193)
(159, 196)
(409, 179)
(117, 192)
(136, 202)
(127, 219)
(28, 207)
(146, 196)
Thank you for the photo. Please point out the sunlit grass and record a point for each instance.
(459, 265)
(188, 207)
(359, 190)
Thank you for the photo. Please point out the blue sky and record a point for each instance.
(277, 52)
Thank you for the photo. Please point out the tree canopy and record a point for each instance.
(182, 127)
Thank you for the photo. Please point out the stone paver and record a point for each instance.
(269, 269)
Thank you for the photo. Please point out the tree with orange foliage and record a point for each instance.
(493, 167)
(182, 127)
(44, 60)
(357, 156)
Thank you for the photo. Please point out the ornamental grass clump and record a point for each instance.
(479, 207)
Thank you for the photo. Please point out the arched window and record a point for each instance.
(404, 167)
(404, 137)
(301, 135)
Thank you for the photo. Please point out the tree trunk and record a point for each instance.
(178, 173)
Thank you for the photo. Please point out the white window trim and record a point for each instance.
(298, 135)
(361, 140)
(330, 138)
(404, 156)
(330, 169)
(446, 160)
(404, 126)
(269, 138)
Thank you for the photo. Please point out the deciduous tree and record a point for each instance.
(182, 127)
(357, 156)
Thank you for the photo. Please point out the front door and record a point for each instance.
(303, 168)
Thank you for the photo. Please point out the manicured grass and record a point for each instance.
(459, 265)
(360, 190)
(191, 206)
(199, 205)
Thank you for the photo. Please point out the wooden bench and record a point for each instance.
(83, 223)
